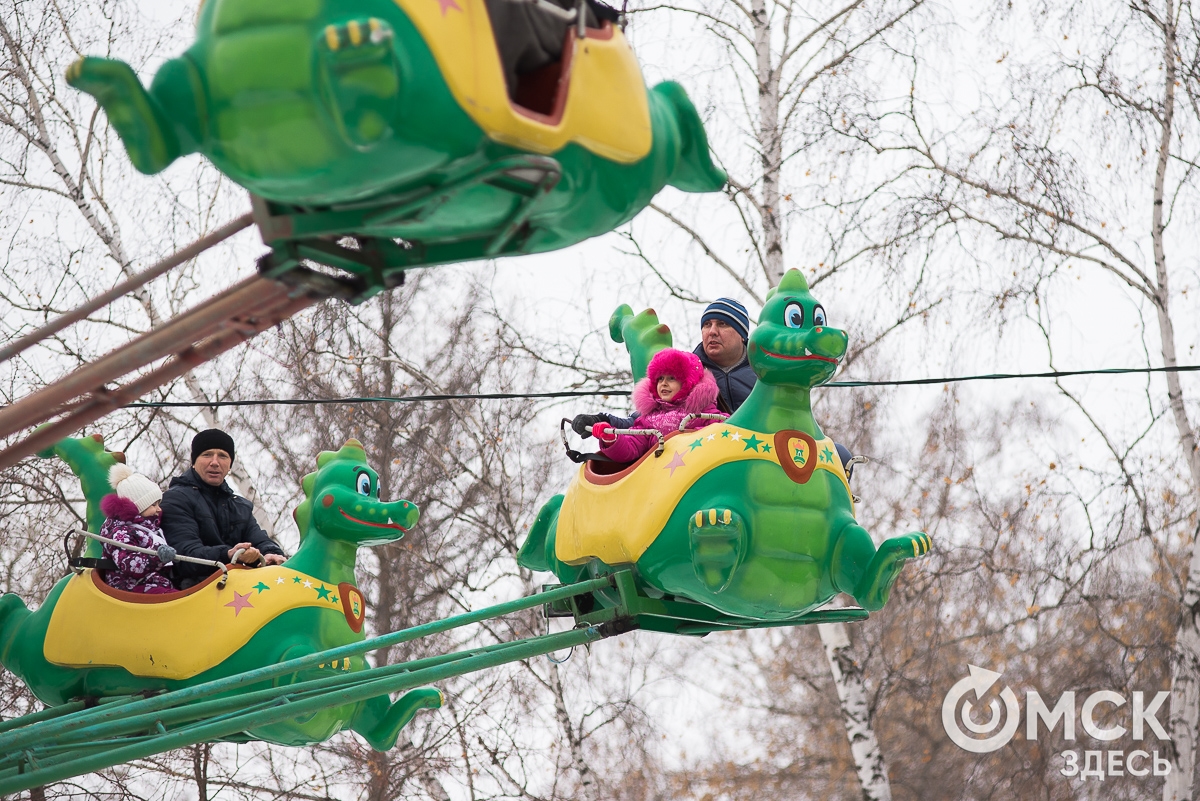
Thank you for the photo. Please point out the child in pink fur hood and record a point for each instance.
(676, 385)
(134, 514)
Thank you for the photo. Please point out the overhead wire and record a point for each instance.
(1184, 368)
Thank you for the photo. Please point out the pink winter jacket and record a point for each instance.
(664, 415)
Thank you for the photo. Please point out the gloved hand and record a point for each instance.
(604, 432)
(582, 424)
(166, 554)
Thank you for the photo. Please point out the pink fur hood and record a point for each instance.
(702, 398)
(698, 394)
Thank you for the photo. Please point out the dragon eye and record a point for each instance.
(818, 316)
(793, 315)
(364, 484)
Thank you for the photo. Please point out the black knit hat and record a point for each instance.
(211, 438)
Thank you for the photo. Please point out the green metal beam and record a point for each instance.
(56, 744)
(260, 699)
(25, 736)
(52, 770)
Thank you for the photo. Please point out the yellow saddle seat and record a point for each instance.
(616, 518)
(180, 635)
(606, 109)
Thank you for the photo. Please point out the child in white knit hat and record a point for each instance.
(133, 517)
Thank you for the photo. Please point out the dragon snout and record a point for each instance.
(828, 342)
(404, 513)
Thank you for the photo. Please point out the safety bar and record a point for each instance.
(850, 471)
(644, 432)
(648, 432)
(176, 558)
(685, 422)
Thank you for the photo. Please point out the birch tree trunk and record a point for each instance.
(856, 711)
(770, 143)
(845, 669)
(847, 675)
(588, 791)
(1184, 720)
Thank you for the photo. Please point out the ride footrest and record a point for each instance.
(673, 615)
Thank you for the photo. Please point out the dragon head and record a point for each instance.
(341, 501)
(793, 345)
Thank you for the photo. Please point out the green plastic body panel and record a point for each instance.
(344, 485)
(370, 141)
(780, 546)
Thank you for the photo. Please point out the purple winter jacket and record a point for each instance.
(136, 572)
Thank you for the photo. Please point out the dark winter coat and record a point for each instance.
(734, 385)
(136, 572)
(205, 522)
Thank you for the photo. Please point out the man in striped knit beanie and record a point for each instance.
(724, 329)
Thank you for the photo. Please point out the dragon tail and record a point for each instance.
(642, 334)
(694, 170)
(90, 462)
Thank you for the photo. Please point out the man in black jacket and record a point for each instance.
(204, 519)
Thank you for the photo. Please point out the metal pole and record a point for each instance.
(102, 401)
(103, 735)
(262, 699)
(45, 714)
(179, 257)
(196, 323)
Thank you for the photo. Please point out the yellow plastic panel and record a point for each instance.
(180, 638)
(607, 110)
(617, 522)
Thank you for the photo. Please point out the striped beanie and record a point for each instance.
(728, 311)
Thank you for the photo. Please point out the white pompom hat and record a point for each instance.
(135, 487)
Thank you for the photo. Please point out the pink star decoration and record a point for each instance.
(675, 463)
(447, 5)
(240, 602)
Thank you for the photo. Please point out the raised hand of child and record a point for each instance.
(604, 432)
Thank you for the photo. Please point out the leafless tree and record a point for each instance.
(784, 61)
(1077, 162)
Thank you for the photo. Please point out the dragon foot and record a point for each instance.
(364, 78)
(382, 736)
(138, 118)
(717, 538)
(876, 584)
